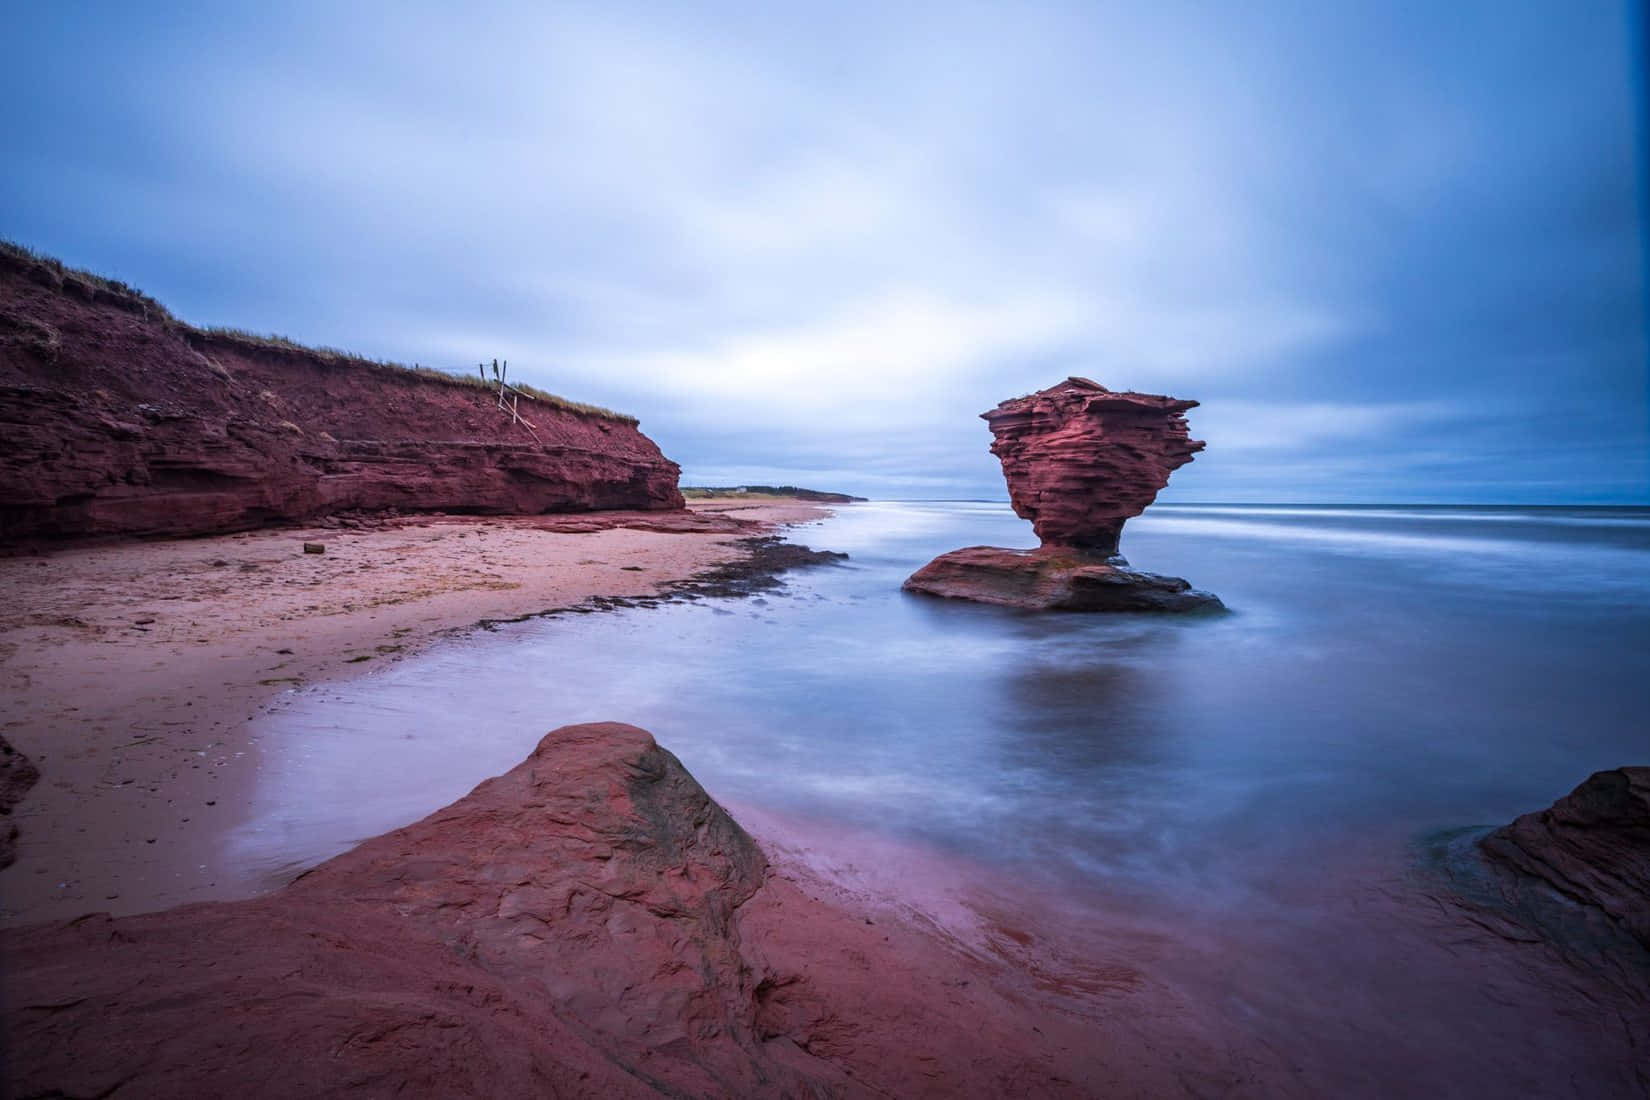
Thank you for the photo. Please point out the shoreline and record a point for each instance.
(132, 670)
(874, 961)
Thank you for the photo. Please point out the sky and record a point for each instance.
(1398, 251)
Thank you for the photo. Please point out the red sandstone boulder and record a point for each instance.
(17, 775)
(590, 924)
(1592, 846)
(1080, 461)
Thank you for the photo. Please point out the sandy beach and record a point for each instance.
(129, 671)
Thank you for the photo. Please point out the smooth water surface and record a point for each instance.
(1382, 672)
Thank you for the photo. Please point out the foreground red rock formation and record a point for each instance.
(1080, 461)
(589, 924)
(1592, 846)
(117, 419)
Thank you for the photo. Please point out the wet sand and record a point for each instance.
(129, 672)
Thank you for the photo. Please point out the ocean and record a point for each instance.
(1400, 669)
(1271, 799)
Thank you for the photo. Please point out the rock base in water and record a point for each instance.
(1054, 579)
(590, 924)
(117, 419)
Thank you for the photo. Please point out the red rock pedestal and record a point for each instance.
(1054, 579)
(1080, 461)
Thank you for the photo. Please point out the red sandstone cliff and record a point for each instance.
(1080, 461)
(17, 775)
(115, 418)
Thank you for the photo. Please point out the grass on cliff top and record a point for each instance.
(254, 341)
(275, 342)
(92, 279)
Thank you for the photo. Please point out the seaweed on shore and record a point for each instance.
(766, 559)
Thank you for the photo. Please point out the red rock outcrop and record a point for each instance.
(1053, 578)
(1080, 461)
(590, 924)
(116, 418)
(1592, 846)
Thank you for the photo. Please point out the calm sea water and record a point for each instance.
(1254, 794)
(1397, 669)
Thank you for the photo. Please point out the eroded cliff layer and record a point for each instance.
(116, 418)
(1053, 578)
(1080, 461)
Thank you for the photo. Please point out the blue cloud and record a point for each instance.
(1396, 252)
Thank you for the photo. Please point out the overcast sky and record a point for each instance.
(1395, 249)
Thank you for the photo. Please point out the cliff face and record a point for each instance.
(117, 419)
(1081, 460)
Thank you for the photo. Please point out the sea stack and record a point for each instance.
(1080, 460)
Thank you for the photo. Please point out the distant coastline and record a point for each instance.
(788, 492)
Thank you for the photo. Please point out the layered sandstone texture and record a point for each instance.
(590, 924)
(118, 419)
(1056, 579)
(1592, 846)
(1080, 461)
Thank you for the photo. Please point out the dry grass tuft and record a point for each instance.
(65, 277)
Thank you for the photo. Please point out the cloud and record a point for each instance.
(1241, 429)
(820, 240)
(873, 353)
